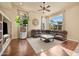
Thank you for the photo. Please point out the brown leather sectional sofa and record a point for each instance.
(59, 35)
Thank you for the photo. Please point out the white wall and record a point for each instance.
(36, 15)
(32, 16)
(72, 22)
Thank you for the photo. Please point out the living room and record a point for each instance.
(42, 27)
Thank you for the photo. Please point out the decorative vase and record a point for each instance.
(23, 32)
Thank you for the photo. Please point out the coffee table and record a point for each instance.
(46, 38)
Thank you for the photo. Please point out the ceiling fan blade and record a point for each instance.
(47, 10)
(48, 6)
(41, 6)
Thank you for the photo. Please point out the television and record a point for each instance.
(5, 29)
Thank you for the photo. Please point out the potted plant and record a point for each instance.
(22, 21)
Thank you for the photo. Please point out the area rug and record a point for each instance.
(40, 46)
(69, 44)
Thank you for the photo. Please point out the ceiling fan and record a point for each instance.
(44, 7)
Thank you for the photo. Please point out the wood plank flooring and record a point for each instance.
(18, 47)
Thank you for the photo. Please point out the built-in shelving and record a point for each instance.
(3, 42)
(1, 32)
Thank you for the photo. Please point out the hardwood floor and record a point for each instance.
(19, 47)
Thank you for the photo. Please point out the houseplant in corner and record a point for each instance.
(23, 22)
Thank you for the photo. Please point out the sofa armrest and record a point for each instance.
(61, 35)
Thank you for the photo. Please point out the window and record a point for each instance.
(56, 22)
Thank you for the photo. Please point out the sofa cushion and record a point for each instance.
(59, 37)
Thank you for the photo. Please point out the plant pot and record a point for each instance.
(23, 35)
(23, 32)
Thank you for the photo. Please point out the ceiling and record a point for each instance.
(35, 6)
